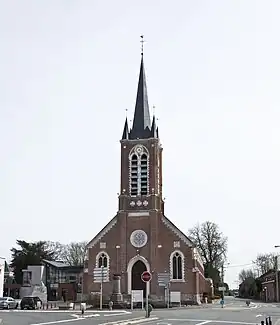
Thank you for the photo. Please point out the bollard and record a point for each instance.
(83, 308)
(266, 321)
(150, 308)
(269, 320)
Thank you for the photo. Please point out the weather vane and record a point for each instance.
(142, 44)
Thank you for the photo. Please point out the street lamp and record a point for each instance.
(117, 251)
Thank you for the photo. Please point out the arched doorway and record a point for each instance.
(136, 282)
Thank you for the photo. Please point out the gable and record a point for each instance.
(102, 233)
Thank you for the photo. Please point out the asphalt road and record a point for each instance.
(235, 312)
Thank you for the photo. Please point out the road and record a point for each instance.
(235, 312)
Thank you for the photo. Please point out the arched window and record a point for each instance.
(177, 266)
(103, 260)
(139, 171)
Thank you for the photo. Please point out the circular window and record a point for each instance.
(138, 238)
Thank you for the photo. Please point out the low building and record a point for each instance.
(268, 286)
(62, 280)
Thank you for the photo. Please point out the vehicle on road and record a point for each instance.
(30, 302)
(8, 303)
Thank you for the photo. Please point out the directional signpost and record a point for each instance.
(146, 277)
(163, 281)
(99, 275)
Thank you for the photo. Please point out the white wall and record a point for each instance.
(37, 274)
(2, 270)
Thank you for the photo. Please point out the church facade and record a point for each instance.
(140, 237)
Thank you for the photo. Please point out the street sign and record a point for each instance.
(100, 274)
(163, 279)
(222, 288)
(146, 276)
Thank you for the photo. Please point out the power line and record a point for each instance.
(240, 265)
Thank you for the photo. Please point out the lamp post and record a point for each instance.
(276, 275)
(117, 259)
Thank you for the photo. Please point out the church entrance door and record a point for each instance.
(136, 282)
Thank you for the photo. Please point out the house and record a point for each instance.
(140, 237)
(62, 280)
(268, 286)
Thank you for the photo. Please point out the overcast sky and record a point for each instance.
(69, 70)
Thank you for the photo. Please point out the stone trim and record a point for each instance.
(176, 231)
(196, 269)
(197, 257)
(171, 266)
(129, 270)
(102, 233)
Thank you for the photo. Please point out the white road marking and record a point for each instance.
(60, 321)
(208, 320)
(116, 314)
(260, 315)
(75, 315)
(205, 322)
(127, 321)
(0, 321)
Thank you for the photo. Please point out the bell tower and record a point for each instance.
(141, 156)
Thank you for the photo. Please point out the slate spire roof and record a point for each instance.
(142, 127)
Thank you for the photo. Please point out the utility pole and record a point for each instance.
(276, 279)
(222, 279)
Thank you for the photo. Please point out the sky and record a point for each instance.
(69, 71)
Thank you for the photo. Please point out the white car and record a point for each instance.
(8, 303)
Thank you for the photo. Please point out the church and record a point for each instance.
(140, 237)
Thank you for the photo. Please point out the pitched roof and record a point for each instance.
(57, 264)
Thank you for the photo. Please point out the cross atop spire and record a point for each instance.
(142, 44)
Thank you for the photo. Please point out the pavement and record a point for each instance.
(235, 312)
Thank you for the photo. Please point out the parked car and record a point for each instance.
(30, 302)
(8, 303)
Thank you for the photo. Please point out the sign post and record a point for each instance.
(99, 275)
(163, 281)
(146, 277)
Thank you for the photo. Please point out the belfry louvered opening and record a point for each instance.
(144, 174)
(139, 171)
(134, 176)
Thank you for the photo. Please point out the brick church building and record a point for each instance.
(140, 237)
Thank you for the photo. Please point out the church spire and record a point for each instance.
(141, 127)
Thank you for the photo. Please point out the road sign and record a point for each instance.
(146, 276)
(222, 288)
(163, 279)
(100, 274)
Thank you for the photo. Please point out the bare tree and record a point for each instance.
(210, 242)
(265, 262)
(246, 274)
(72, 254)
